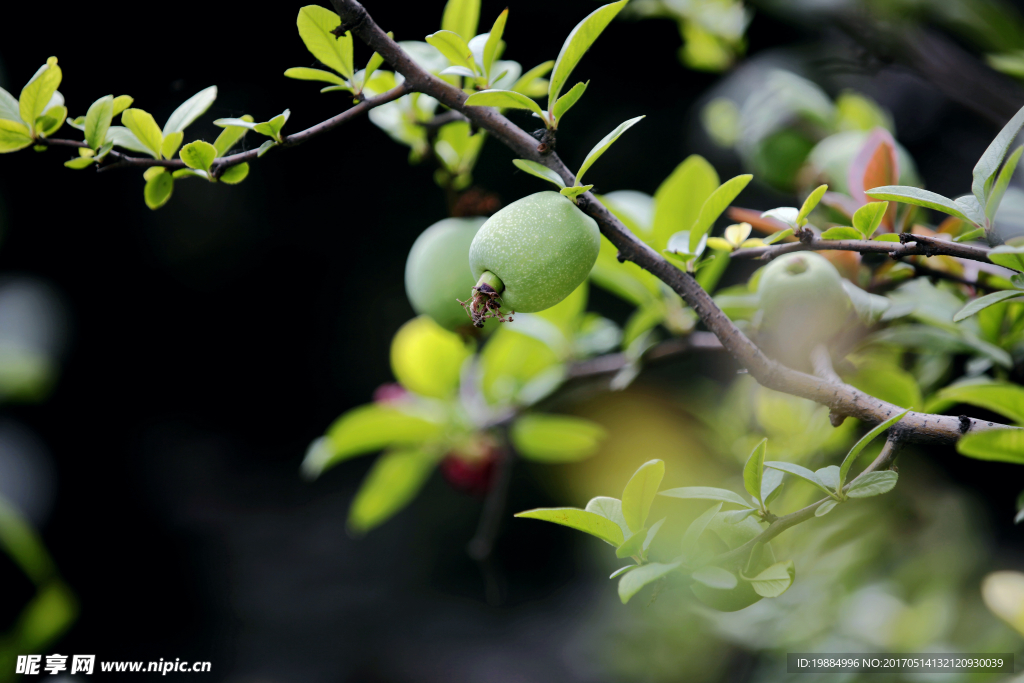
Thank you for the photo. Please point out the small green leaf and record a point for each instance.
(606, 142)
(581, 520)
(566, 101)
(171, 144)
(265, 147)
(825, 508)
(918, 197)
(493, 41)
(777, 236)
(1003, 445)
(640, 491)
(623, 570)
(315, 26)
(873, 484)
(153, 172)
(842, 234)
(989, 163)
(272, 128)
(124, 138)
(771, 486)
(80, 162)
(868, 217)
(529, 81)
(461, 17)
(829, 476)
(1002, 182)
(9, 109)
(715, 577)
(983, 302)
(578, 42)
(801, 472)
(753, 471)
(631, 583)
(13, 136)
(1003, 398)
(969, 235)
(199, 154)
(122, 102)
(539, 170)
(35, 96)
(51, 120)
(609, 508)
(235, 174)
(651, 533)
(855, 452)
(504, 99)
(190, 110)
(393, 481)
(145, 130)
(696, 529)
(892, 237)
(302, 73)
(97, 121)
(556, 438)
(784, 214)
(812, 201)
(715, 205)
(246, 123)
(158, 190)
(775, 580)
(575, 191)
(230, 136)
(454, 48)
(710, 492)
(720, 244)
(1007, 256)
(632, 546)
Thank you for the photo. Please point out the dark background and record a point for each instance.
(212, 340)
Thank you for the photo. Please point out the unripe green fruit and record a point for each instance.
(541, 247)
(803, 304)
(435, 272)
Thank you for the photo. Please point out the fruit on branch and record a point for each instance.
(803, 304)
(532, 254)
(436, 274)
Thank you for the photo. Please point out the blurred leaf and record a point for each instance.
(855, 452)
(190, 110)
(692, 535)
(651, 533)
(999, 397)
(581, 520)
(555, 438)
(633, 545)
(1007, 256)
(427, 359)
(825, 508)
(506, 99)
(453, 47)
(680, 197)
(235, 174)
(969, 235)
(265, 147)
(715, 205)
(9, 108)
(609, 508)
(607, 141)
(786, 214)
(80, 163)
(566, 101)
(46, 617)
(868, 217)
(491, 47)
(710, 493)
(171, 143)
(873, 484)
(640, 491)
(887, 381)
(577, 43)
(869, 307)
(366, 429)
(1003, 593)
(842, 234)
(21, 542)
(631, 583)
(35, 96)
(315, 26)
(393, 481)
(51, 121)
(302, 73)
(528, 82)
(122, 102)
(771, 486)
(715, 577)
(539, 170)
(812, 201)
(1003, 445)
(918, 197)
(461, 17)
(199, 154)
(775, 580)
(1003, 181)
(145, 130)
(13, 136)
(158, 190)
(97, 121)
(711, 270)
(989, 163)
(801, 472)
(124, 138)
(829, 476)
(230, 136)
(622, 570)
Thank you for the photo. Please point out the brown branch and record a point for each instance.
(909, 245)
(842, 399)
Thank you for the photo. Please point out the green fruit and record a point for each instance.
(436, 275)
(803, 304)
(541, 247)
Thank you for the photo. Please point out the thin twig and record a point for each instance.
(909, 245)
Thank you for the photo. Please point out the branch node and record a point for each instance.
(965, 424)
(836, 419)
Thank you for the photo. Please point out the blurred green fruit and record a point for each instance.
(541, 247)
(437, 272)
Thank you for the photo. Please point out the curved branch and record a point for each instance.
(909, 245)
(842, 399)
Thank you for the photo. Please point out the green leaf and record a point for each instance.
(696, 529)
(1003, 445)
(918, 197)
(1007, 256)
(504, 99)
(892, 237)
(581, 520)
(578, 42)
(868, 217)
(9, 108)
(566, 101)
(13, 136)
(983, 302)
(235, 174)
(999, 189)
(51, 120)
(842, 234)
(190, 110)
(494, 41)
(873, 484)
(775, 580)
(855, 452)
(80, 162)
(631, 583)
(967, 236)
(575, 191)
(771, 486)
(715, 205)
(989, 163)
(427, 359)
(528, 82)
(124, 138)
(145, 130)
(829, 476)
(710, 492)
(539, 170)
(461, 17)
(623, 570)
(999, 397)
(246, 123)
(777, 236)
(633, 545)
(199, 154)
(122, 102)
(98, 120)
(715, 577)
(785, 214)
(230, 136)
(801, 472)
(556, 438)
(825, 508)
(315, 24)
(265, 147)
(753, 471)
(171, 144)
(393, 481)
(605, 142)
(812, 201)
(454, 48)
(272, 128)
(366, 429)
(302, 73)
(640, 491)
(651, 533)
(610, 508)
(158, 190)
(35, 96)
